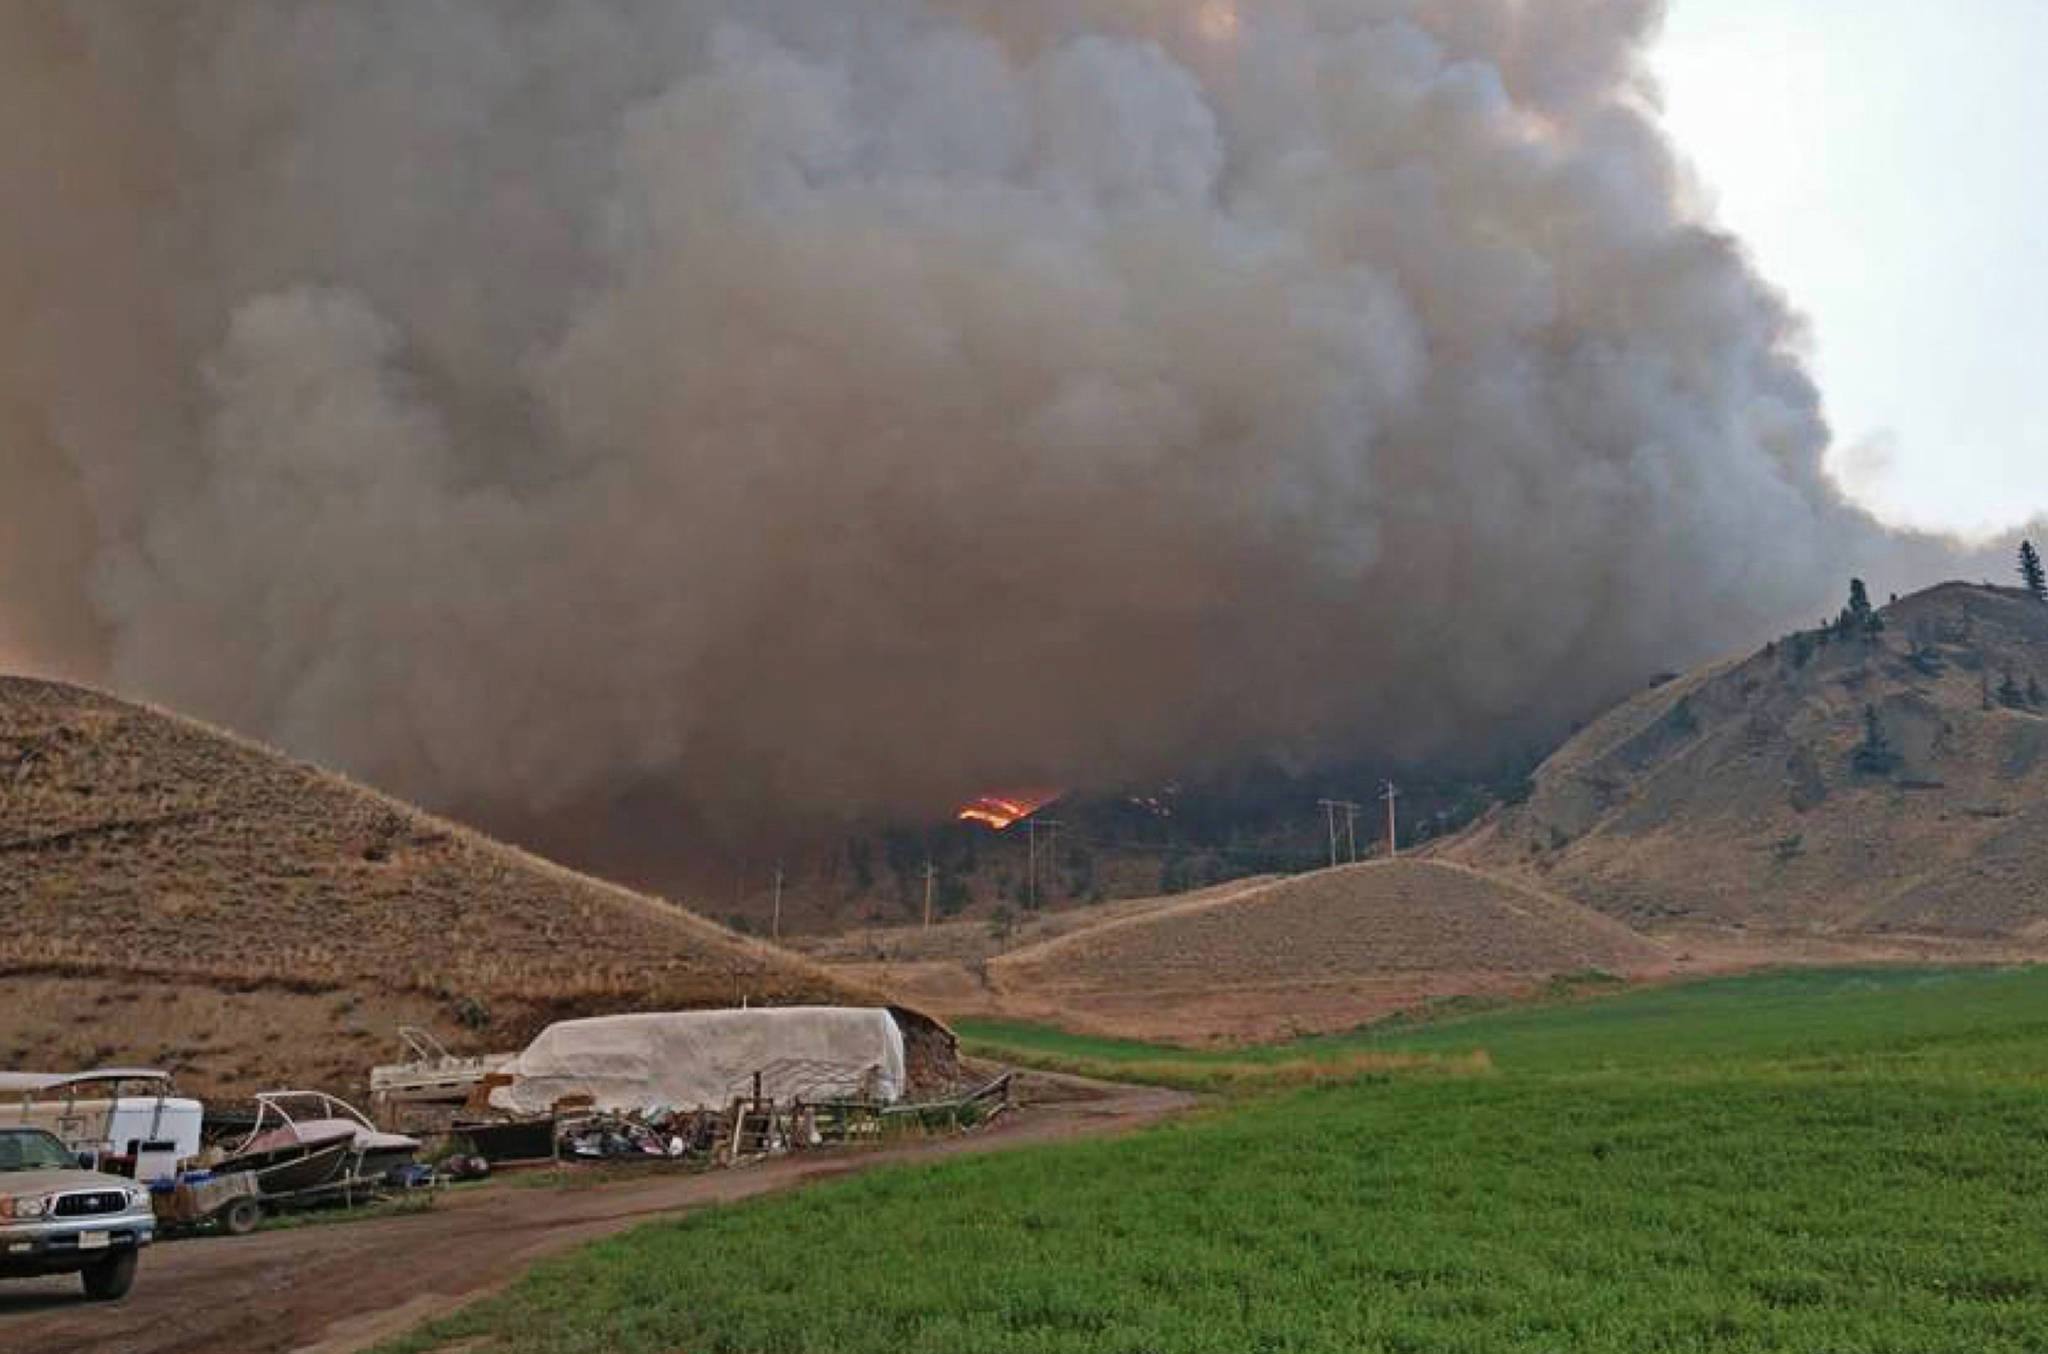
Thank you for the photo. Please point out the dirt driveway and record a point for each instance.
(332, 1290)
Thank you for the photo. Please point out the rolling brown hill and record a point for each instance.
(1394, 917)
(1751, 795)
(178, 896)
(1268, 959)
(976, 940)
(945, 967)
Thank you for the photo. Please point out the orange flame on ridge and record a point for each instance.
(1008, 808)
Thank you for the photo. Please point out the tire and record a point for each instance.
(241, 1217)
(110, 1279)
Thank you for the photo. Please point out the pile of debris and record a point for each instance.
(755, 1125)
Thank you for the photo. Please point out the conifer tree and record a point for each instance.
(2031, 572)
(1859, 617)
(1874, 755)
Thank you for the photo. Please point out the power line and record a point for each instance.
(1330, 807)
(1053, 826)
(1264, 853)
(1168, 848)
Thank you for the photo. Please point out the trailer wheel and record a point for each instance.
(241, 1217)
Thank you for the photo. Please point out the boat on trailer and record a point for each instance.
(431, 1076)
(311, 1128)
(293, 1170)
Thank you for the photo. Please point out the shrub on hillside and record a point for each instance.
(1874, 756)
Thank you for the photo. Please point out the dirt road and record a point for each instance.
(334, 1290)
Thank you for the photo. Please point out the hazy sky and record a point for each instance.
(1885, 160)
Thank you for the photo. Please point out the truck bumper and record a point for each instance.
(62, 1248)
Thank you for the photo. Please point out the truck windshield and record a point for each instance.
(32, 1150)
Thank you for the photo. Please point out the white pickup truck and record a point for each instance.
(56, 1218)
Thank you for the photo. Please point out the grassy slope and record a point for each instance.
(1374, 919)
(179, 896)
(1734, 794)
(1803, 1162)
(1885, 1020)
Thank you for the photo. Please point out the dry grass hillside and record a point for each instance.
(975, 941)
(1753, 796)
(1261, 959)
(1384, 918)
(945, 967)
(178, 896)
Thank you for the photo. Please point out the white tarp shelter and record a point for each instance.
(696, 1060)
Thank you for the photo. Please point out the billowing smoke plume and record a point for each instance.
(857, 405)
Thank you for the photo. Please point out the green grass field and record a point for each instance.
(1945, 1022)
(1849, 1162)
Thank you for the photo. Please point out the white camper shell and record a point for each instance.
(123, 1117)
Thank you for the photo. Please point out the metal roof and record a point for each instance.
(28, 1083)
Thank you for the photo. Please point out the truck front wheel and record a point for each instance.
(110, 1278)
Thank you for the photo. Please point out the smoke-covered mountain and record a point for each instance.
(754, 407)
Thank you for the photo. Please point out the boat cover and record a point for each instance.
(703, 1059)
(310, 1131)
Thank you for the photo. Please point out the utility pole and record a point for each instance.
(1390, 794)
(775, 926)
(1330, 807)
(1031, 826)
(930, 872)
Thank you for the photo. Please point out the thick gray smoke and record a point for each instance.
(856, 405)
